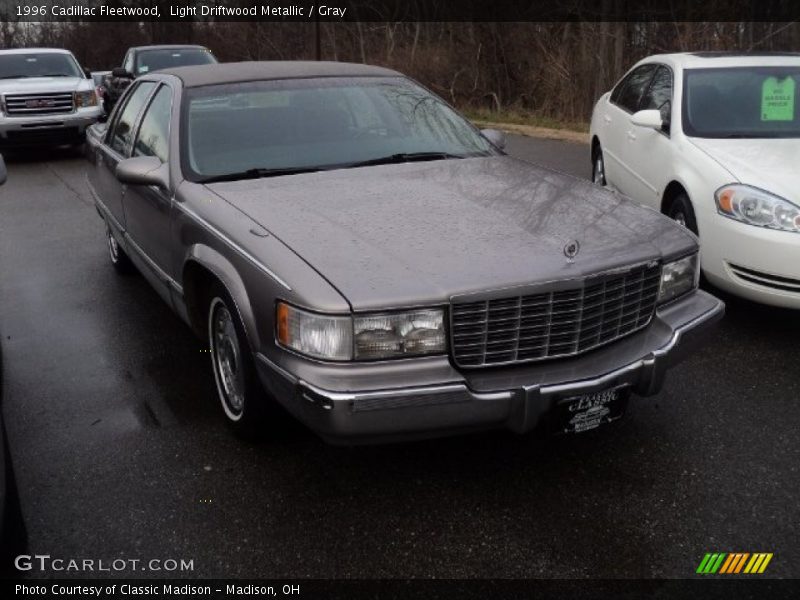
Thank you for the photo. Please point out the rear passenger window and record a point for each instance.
(123, 129)
(629, 92)
(152, 139)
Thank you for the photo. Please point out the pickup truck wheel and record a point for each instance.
(598, 167)
(681, 211)
(119, 260)
(239, 391)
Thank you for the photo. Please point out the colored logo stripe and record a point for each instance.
(711, 562)
(734, 562)
(758, 563)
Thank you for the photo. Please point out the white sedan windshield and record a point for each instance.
(747, 102)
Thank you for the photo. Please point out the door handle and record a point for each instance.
(607, 119)
(631, 136)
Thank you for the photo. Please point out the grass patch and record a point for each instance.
(522, 118)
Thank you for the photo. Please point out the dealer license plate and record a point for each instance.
(588, 411)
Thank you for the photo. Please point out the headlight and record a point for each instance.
(83, 99)
(756, 207)
(399, 334)
(320, 336)
(363, 337)
(678, 277)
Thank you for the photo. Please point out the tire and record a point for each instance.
(244, 402)
(598, 167)
(681, 211)
(119, 260)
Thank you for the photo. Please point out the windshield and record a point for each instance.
(38, 64)
(311, 124)
(148, 61)
(746, 102)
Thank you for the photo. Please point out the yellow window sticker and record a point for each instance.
(777, 99)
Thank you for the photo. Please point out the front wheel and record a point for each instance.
(680, 210)
(119, 260)
(238, 388)
(598, 167)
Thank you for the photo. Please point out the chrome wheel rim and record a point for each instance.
(227, 358)
(679, 218)
(113, 247)
(599, 172)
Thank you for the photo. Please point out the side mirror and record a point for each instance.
(88, 73)
(121, 72)
(143, 170)
(496, 137)
(647, 118)
(3, 172)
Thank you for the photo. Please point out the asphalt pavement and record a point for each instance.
(120, 449)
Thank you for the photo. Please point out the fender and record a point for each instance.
(225, 272)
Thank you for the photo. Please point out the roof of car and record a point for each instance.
(699, 60)
(34, 50)
(200, 75)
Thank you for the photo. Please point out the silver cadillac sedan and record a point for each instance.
(354, 250)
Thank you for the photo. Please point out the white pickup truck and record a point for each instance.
(45, 98)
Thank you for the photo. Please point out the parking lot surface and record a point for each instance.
(120, 449)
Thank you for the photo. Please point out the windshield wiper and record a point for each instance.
(404, 157)
(258, 174)
(15, 76)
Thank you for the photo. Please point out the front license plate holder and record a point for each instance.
(584, 412)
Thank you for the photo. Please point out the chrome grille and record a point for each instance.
(564, 322)
(24, 105)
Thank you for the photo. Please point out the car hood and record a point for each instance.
(769, 164)
(34, 85)
(419, 233)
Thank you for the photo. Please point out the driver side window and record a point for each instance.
(628, 93)
(121, 134)
(659, 96)
(153, 136)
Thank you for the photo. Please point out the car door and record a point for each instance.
(616, 124)
(116, 147)
(148, 208)
(649, 152)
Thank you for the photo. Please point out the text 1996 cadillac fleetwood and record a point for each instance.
(353, 247)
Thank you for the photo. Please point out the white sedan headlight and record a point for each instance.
(362, 337)
(757, 207)
(678, 277)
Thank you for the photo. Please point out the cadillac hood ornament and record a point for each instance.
(571, 250)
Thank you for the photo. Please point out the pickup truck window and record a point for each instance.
(123, 128)
(315, 124)
(38, 64)
(152, 139)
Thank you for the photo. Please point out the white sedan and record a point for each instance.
(713, 140)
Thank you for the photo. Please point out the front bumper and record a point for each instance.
(47, 129)
(516, 398)
(756, 263)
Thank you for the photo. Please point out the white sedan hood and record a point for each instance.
(770, 164)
